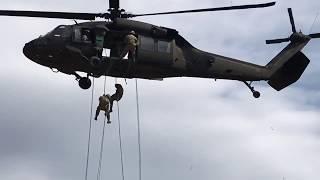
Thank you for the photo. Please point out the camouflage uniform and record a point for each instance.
(116, 96)
(131, 42)
(104, 104)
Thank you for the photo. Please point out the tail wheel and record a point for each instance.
(256, 94)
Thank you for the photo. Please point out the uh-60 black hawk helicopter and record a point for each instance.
(161, 52)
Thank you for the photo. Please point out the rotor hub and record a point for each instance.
(298, 37)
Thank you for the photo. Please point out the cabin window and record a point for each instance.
(164, 47)
(155, 51)
(147, 43)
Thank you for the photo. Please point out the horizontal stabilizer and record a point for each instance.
(277, 41)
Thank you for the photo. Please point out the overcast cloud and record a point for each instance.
(191, 128)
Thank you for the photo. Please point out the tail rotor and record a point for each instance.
(296, 36)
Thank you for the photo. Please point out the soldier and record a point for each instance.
(104, 105)
(131, 42)
(116, 96)
(86, 36)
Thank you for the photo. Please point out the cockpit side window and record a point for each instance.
(83, 35)
(86, 35)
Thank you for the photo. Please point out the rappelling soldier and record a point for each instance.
(104, 105)
(116, 96)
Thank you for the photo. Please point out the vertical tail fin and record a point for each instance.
(289, 72)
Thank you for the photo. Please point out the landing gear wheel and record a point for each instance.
(256, 94)
(85, 83)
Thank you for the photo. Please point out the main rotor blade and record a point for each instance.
(292, 20)
(276, 41)
(43, 14)
(316, 35)
(114, 4)
(250, 6)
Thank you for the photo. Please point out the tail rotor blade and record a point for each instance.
(316, 35)
(292, 20)
(277, 41)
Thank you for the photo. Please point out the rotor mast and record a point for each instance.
(114, 9)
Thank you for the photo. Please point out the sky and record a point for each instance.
(191, 128)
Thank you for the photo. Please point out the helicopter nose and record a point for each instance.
(34, 47)
(32, 50)
(37, 43)
(28, 50)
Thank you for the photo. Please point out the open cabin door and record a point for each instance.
(154, 51)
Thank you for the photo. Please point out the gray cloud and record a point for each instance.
(192, 128)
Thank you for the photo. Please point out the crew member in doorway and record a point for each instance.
(131, 43)
(104, 105)
(116, 96)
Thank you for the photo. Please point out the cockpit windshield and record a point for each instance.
(61, 31)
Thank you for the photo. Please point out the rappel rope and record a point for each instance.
(104, 87)
(139, 133)
(120, 139)
(119, 131)
(101, 150)
(103, 132)
(90, 128)
(102, 139)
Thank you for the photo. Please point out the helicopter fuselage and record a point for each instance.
(161, 53)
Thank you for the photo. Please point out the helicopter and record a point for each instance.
(161, 52)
